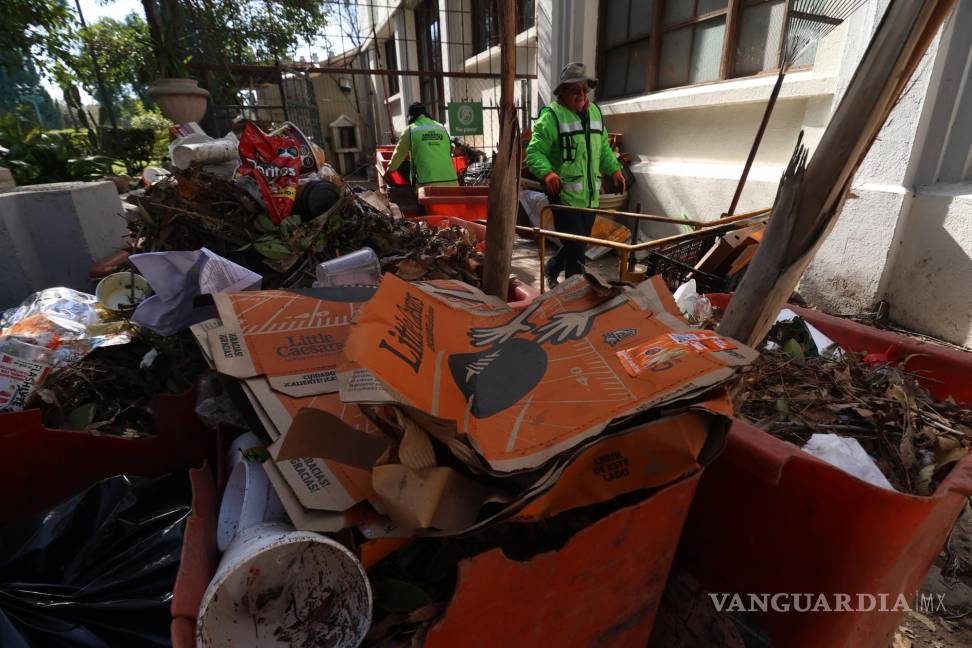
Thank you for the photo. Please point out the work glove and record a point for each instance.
(552, 180)
(619, 184)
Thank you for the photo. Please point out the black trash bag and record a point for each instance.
(98, 569)
(315, 198)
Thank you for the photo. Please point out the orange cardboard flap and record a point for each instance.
(295, 341)
(646, 456)
(525, 386)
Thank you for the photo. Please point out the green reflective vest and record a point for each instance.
(576, 148)
(431, 152)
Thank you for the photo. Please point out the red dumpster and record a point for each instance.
(43, 466)
(769, 518)
(601, 590)
(468, 203)
(476, 229)
(521, 295)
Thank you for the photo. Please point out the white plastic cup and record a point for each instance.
(358, 268)
(122, 290)
(247, 501)
(278, 587)
(208, 151)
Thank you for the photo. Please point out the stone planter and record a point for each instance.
(181, 100)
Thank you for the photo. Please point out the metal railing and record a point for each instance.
(624, 250)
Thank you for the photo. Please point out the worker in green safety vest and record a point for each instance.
(569, 151)
(427, 143)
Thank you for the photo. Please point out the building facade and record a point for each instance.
(905, 236)
(688, 119)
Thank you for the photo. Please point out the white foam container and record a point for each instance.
(278, 587)
(247, 501)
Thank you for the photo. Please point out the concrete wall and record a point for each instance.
(51, 234)
(929, 286)
(689, 144)
(906, 234)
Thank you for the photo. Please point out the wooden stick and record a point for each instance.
(504, 188)
(757, 141)
(811, 195)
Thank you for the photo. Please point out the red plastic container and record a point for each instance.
(476, 229)
(770, 518)
(602, 589)
(468, 203)
(520, 295)
(42, 466)
(199, 559)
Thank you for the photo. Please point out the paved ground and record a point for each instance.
(526, 263)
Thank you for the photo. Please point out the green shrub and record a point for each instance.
(77, 139)
(36, 157)
(133, 147)
(153, 119)
(150, 120)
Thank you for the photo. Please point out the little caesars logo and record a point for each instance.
(303, 345)
(407, 341)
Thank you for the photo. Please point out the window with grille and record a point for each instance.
(391, 63)
(486, 26)
(649, 45)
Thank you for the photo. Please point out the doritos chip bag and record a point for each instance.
(274, 164)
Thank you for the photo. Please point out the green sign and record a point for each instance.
(466, 118)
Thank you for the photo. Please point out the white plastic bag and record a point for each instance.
(847, 454)
(695, 307)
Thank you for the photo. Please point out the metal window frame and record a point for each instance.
(733, 16)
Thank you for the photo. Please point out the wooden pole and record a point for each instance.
(756, 142)
(811, 194)
(504, 186)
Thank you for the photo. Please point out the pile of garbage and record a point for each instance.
(864, 413)
(913, 439)
(113, 390)
(431, 410)
(426, 253)
(51, 329)
(193, 209)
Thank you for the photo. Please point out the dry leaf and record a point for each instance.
(410, 270)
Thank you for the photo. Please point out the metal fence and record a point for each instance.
(266, 94)
(433, 51)
(378, 57)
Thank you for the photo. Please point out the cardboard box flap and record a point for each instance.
(326, 463)
(320, 434)
(647, 456)
(523, 387)
(295, 341)
(438, 498)
(303, 519)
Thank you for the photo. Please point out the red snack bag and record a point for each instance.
(274, 164)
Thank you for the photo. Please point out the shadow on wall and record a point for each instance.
(929, 288)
